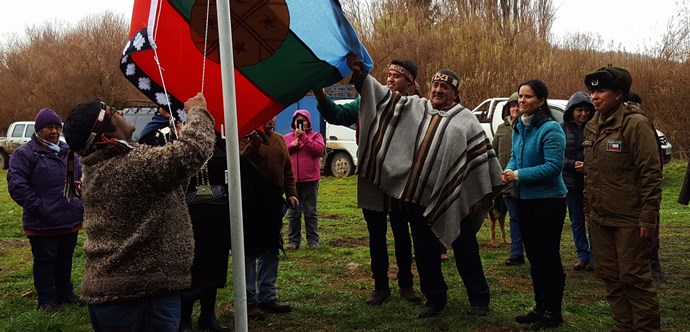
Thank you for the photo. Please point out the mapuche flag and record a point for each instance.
(281, 48)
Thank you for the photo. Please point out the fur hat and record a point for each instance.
(609, 77)
(45, 117)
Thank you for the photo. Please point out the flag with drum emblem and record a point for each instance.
(281, 48)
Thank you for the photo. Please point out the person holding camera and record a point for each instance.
(306, 148)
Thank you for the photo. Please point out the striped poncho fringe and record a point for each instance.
(441, 160)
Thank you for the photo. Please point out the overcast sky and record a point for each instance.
(632, 23)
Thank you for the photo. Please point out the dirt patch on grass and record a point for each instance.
(13, 243)
(349, 242)
(331, 216)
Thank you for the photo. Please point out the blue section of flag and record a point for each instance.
(323, 27)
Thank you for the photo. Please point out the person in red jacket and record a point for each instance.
(306, 148)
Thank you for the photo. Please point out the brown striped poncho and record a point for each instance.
(440, 159)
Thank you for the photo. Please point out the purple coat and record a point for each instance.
(36, 181)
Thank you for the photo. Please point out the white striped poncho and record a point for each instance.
(441, 160)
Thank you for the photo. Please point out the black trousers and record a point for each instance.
(428, 259)
(377, 225)
(541, 224)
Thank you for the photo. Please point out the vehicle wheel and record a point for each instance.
(341, 165)
(4, 160)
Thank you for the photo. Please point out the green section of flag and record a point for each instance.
(290, 71)
(184, 7)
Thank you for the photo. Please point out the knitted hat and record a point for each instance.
(609, 77)
(81, 123)
(45, 117)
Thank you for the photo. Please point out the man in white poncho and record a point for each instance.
(432, 155)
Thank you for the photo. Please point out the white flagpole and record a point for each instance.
(239, 283)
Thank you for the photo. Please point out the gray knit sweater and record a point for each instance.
(139, 235)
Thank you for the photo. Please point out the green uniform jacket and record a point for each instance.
(623, 172)
(503, 145)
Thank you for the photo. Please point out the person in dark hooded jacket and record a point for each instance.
(578, 112)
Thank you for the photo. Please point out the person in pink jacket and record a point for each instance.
(306, 148)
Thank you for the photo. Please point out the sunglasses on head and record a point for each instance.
(113, 111)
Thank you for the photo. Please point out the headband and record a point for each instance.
(400, 69)
(96, 127)
(445, 78)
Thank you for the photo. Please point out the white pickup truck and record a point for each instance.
(489, 115)
(18, 133)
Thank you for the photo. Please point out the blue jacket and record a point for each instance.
(538, 152)
(36, 181)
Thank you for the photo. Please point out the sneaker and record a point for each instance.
(581, 265)
(314, 245)
(254, 313)
(590, 266)
(515, 260)
(549, 321)
(409, 294)
(292, 246)
(275, 307)
(429, 312)
(378, 296)
(478, 310)
(531, 317)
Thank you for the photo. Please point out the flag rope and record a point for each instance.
(171, 120)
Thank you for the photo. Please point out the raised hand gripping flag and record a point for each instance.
(282, 49)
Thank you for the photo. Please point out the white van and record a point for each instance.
(340, 158)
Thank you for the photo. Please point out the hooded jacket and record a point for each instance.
(623, 170)
(574, 135)
(36, 181)
(306, 163)
(140, 241)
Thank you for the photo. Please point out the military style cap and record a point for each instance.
(609, 77)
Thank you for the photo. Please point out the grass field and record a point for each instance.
(328, 286)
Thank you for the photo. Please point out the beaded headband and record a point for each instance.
(445, 78)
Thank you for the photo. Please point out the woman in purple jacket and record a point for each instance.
(306, 148)
(36, 181)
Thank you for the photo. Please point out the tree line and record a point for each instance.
(492, 44)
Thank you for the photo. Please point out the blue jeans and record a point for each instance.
(307, 192)
(576, 209)
(261, 271)
(152, 313)
(53, 266)
(516, 246)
